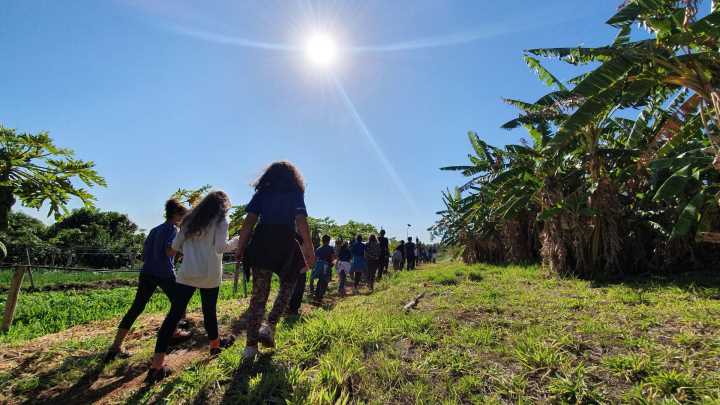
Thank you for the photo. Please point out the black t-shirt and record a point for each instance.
(410, 249)
(383, 245)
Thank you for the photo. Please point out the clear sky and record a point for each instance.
(165, 94)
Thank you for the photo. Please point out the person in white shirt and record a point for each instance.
(203, 238)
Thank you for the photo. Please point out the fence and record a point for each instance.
(19, 271)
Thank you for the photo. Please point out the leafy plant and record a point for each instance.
(36, 171)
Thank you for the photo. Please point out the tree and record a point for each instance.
(25, 232)
(191, 196)
(607, 194)
(35, 171)
(97, 239)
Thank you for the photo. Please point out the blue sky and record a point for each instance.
(166, 94)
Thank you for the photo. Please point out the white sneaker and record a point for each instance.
(249, 354)
(266, 335)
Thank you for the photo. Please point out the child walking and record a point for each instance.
(278, 209)
(158, 271)
(359, 264)
(343, 266)
(325, 256)
(373, 254)
(202, 240)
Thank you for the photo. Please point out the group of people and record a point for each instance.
(274, 238)
(409, 254)
(356, 260)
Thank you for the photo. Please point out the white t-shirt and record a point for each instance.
(202, 255)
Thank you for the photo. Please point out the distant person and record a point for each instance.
(325, 258)
(158, 270)
(410, 254)
(397, 260)
(359, 264)
(373, 254)
(278, 209)
(296, 297)
(400, 248)
(203, 238)
(343, 266)
(385, 256)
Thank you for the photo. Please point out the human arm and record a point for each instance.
(177, 242)
(222, 244)
(307, 247)
(245, 230)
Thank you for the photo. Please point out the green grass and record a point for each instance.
(485, 334)
(481, 334)
(47, 278)
(44, 278)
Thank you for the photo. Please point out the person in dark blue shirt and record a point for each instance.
(325, 258)
(158, 270)
(358, 266)
(343, 266)
(280, 244)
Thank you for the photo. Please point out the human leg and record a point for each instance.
(256, 310)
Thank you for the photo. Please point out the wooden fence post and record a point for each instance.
(235, 278)
(12, 298)
(29, 269)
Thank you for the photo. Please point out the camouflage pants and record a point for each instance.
(261, 279)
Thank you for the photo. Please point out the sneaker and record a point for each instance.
(249, 354)
(156, 374)
(186, 324)
(224, 344)
(266, 335)
(181, 334)
(114, 353)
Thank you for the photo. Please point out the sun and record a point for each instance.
(321, 50)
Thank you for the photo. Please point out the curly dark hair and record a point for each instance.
(174, 207)
(280, 176)
(213, 207)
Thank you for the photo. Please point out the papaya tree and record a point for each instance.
(35, 171)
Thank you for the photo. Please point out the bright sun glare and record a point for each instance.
(321, 50)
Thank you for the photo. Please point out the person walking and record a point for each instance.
(373, 253)
(359, 264)
(410, 254)
(385, 254)
(203, 238)
(158, 270)
(343, 266)
(325, 258)
(280, 244)
(401, 249)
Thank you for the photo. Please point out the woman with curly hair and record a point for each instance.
(280, 244)
(203, 238)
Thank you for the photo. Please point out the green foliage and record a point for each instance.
(36, 171)
(596, 193)
(191, 196)
(99, 239)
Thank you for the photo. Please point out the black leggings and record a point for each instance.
(147, 284)
(183, 294)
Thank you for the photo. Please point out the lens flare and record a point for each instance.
(321, 50)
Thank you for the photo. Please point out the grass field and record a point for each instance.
(40, 313)
(47, 278)
(481, 334)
